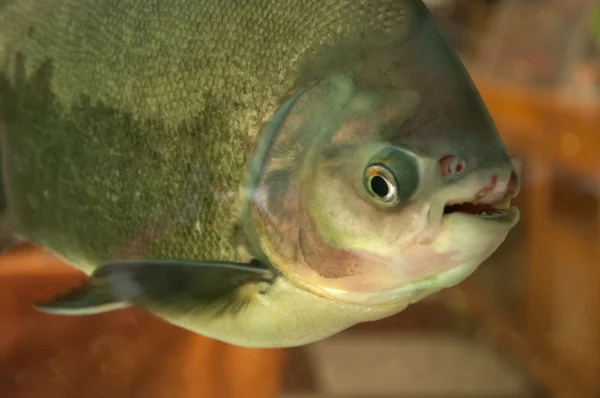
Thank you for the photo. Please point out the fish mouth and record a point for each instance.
(500, 211)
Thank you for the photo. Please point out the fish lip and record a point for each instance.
(484, 207)
(507, 217)
(499, 211)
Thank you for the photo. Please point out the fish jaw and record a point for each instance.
(416, 271)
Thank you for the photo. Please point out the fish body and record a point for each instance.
(267, 173)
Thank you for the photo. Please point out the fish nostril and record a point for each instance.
(451, 166)
(514, 184)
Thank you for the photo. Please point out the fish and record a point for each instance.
(265, 173)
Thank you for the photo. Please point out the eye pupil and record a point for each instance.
(380, 186)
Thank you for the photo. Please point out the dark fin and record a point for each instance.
(88, 299)
(169, 285)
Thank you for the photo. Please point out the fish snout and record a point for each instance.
(515, 179)
(500, 186)
(502, 182)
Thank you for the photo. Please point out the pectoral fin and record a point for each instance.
(174, 286)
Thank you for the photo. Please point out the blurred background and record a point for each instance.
(526, 324)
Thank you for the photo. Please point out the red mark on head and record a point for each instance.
(489, 187)
(451, 166)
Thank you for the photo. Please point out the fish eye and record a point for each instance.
(381, 185)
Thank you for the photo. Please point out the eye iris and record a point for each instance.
(380, 186)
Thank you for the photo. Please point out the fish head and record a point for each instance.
(388, 182)
(381, 220)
